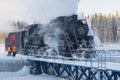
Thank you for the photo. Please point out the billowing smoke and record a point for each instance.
(30, 11)
(52, 39)
(44, 10)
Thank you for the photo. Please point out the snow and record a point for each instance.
(3, 54)
(108, 46)
(32, 77)
(2, 48)
(24, 72)
(97, 41)
(87, 63)
(90, 32)
(112, 58)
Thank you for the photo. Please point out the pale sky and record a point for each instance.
(42, 10)
(102, 6)
(34, 10)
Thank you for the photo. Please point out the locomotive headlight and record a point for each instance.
(84, 21)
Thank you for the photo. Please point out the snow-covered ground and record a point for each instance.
(22, 74)
(107, 46)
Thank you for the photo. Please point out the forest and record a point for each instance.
(106, 27)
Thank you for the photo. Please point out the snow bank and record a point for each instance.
(97, 41)
(12, 65)
(108, 47)
(23, 74)
(9, 63)
(90, 32)
(32, 77)
(2, 48)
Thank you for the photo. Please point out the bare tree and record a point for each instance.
(19, 25)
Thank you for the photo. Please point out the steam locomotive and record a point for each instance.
(64, 36)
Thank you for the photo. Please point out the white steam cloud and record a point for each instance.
(51, 33)
(34, 10)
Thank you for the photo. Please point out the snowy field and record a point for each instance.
(22, 74)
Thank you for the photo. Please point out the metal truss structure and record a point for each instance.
(73, 72)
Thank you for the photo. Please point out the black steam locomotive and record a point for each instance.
(64, 36)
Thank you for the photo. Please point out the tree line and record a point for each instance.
(106, 27)
(2, 37)
(16, 25)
